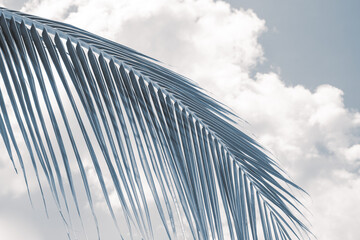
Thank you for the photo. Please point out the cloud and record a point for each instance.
(314, 136)
(11, 229)
(316, 139)
(352, 154)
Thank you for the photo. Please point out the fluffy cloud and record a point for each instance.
(9, 229)
(316, 139)
(314, 136)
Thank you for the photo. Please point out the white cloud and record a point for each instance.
(14, 229)
(315, 137)
(334, 207)
(16, 186)
(353, 153)
(312, 133)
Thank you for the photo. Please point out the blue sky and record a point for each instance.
(312, 42)
(290, 68)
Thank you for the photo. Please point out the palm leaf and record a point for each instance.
(144, 125)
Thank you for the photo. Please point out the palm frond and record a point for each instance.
(146, 126)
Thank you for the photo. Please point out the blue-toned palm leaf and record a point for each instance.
(145, 127)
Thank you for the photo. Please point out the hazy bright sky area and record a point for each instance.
(290, 68)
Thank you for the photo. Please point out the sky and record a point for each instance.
(312, 43)
(289, 69)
